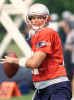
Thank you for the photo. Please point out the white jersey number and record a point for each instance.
(35, 71)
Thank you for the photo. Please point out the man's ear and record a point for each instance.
(48, 18)
(28, 22)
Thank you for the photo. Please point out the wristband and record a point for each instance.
(22, 61)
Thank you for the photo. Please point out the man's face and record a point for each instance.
(37, 20)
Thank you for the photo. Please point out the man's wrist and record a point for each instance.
(22, 61)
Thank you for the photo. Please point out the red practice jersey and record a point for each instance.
(48, 41)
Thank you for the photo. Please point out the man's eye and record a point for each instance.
(29, 17)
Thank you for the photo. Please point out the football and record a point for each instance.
(10, 69)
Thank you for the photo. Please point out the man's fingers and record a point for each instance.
(3, 62)
(6, 60)
(2, 59)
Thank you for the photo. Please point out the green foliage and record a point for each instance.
(1, 36)
(58, 6)
(2, 32)
(7, 1)
(24, 97)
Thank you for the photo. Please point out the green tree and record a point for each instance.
(58, 6)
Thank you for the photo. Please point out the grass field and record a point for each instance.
(24, 97)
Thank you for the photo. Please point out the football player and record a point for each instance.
(47, 62)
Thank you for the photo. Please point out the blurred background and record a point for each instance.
(14, 33)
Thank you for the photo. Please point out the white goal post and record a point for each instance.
(17, 7)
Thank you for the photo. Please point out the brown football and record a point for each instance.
(10, 69)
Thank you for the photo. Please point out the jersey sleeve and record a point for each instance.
(45, 42)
